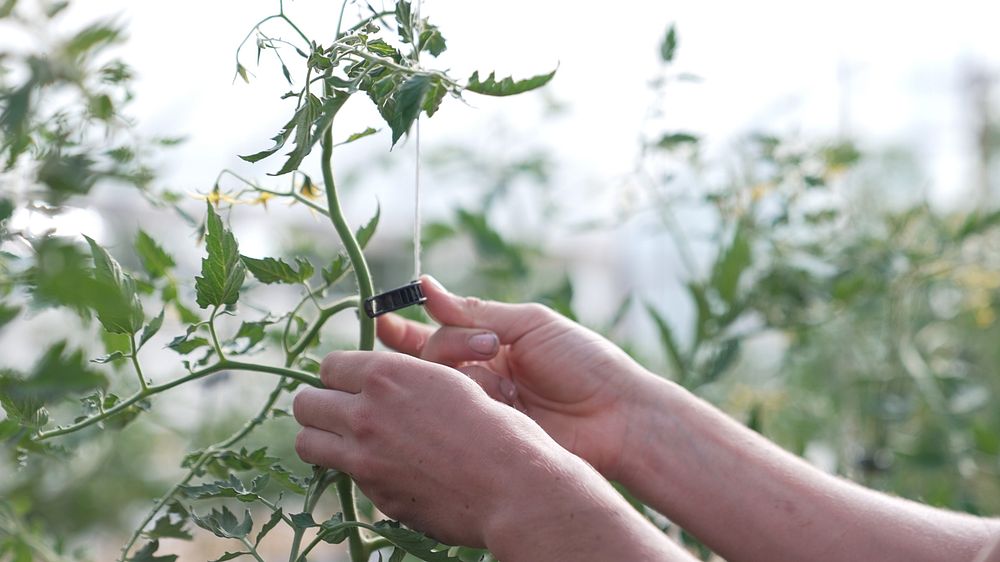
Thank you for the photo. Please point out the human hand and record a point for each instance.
(576, 384)
(430, 448)
(423, 442)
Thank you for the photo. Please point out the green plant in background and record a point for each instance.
(377, 56)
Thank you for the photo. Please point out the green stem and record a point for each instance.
(195, 375)
(324, 315)
(355, 544)
(204, 458)
(365, 287)
(251, 549)
(215, 337)
(135, 363)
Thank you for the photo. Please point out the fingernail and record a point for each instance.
(437, 284)
(508, 390)
(486, 343)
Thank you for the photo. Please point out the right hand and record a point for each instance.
(577, 385)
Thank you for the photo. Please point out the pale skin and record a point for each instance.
(501, 427)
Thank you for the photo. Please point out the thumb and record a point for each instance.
(508, 321)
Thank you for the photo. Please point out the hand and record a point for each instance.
(430, 448)
(423, 442)
(577, 385)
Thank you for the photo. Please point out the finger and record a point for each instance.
(316, 446)
(400, 334)
(497, 387)
(508, 321)
(323, 409)
(451, 345)
(342, 370)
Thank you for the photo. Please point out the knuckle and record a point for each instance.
(537, 311)
(363, 424)
(327, 368)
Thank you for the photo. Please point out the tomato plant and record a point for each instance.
(378, 56)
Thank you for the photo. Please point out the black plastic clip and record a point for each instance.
(408, 295)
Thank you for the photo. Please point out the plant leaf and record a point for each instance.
(148, 554)
(118, 308)
(271, 523)
(155, 260)
(366, 133)
(507, 86)
(669, 45)
(222, 272)
(365, 233)
(152, 328)
(271, 270)
(409, 100)
(225, 524)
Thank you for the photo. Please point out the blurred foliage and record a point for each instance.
(847, 326)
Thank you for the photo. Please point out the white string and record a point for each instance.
(416, 172)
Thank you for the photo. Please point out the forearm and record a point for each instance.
(750, 500)
(572, 513)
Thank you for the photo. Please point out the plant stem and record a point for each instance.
(215, 337)
(251, 549)
(324, 315)
(206, 455)
(365, 287)
(135, 363)
(355, 544)
(195, 375)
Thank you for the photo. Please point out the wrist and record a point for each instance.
(652, 414)
(564, 509)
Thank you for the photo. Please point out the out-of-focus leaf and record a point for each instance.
(231, 488)
(669, 45)
(57, 374)
(356, 136)
(148, 554)
(120, 311)
(366, 231)
(730, 265)
(154, 259)
(670, 141)
(669, 343)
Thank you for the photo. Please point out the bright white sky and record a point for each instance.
(768, 64)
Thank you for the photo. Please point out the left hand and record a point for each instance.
(425, 443)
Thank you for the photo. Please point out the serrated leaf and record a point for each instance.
(408, 101)
(271, 524)
(119, 311)
(432, 41)
(155, 260)
(224, 523)
(249, 335)
(305, 129)
(109, 358)
(365, 233)
(336, 270)
(435, 94)
(507, 86)
(303, 520)
(366, 133)
(185, 344)
(152, 328)
(148, 554)
(415, 543)
(332, 530)
(669, 45)
(231, 488)
(169, 526)
(222, 272)
(404, 21)
(272, 270)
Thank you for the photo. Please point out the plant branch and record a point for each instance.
(194, 375)
(215, 337)
(324, 315)
(355, 544)
(251, 549)
(354, 253)
(135, 363)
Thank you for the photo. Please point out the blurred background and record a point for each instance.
(792, 212)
